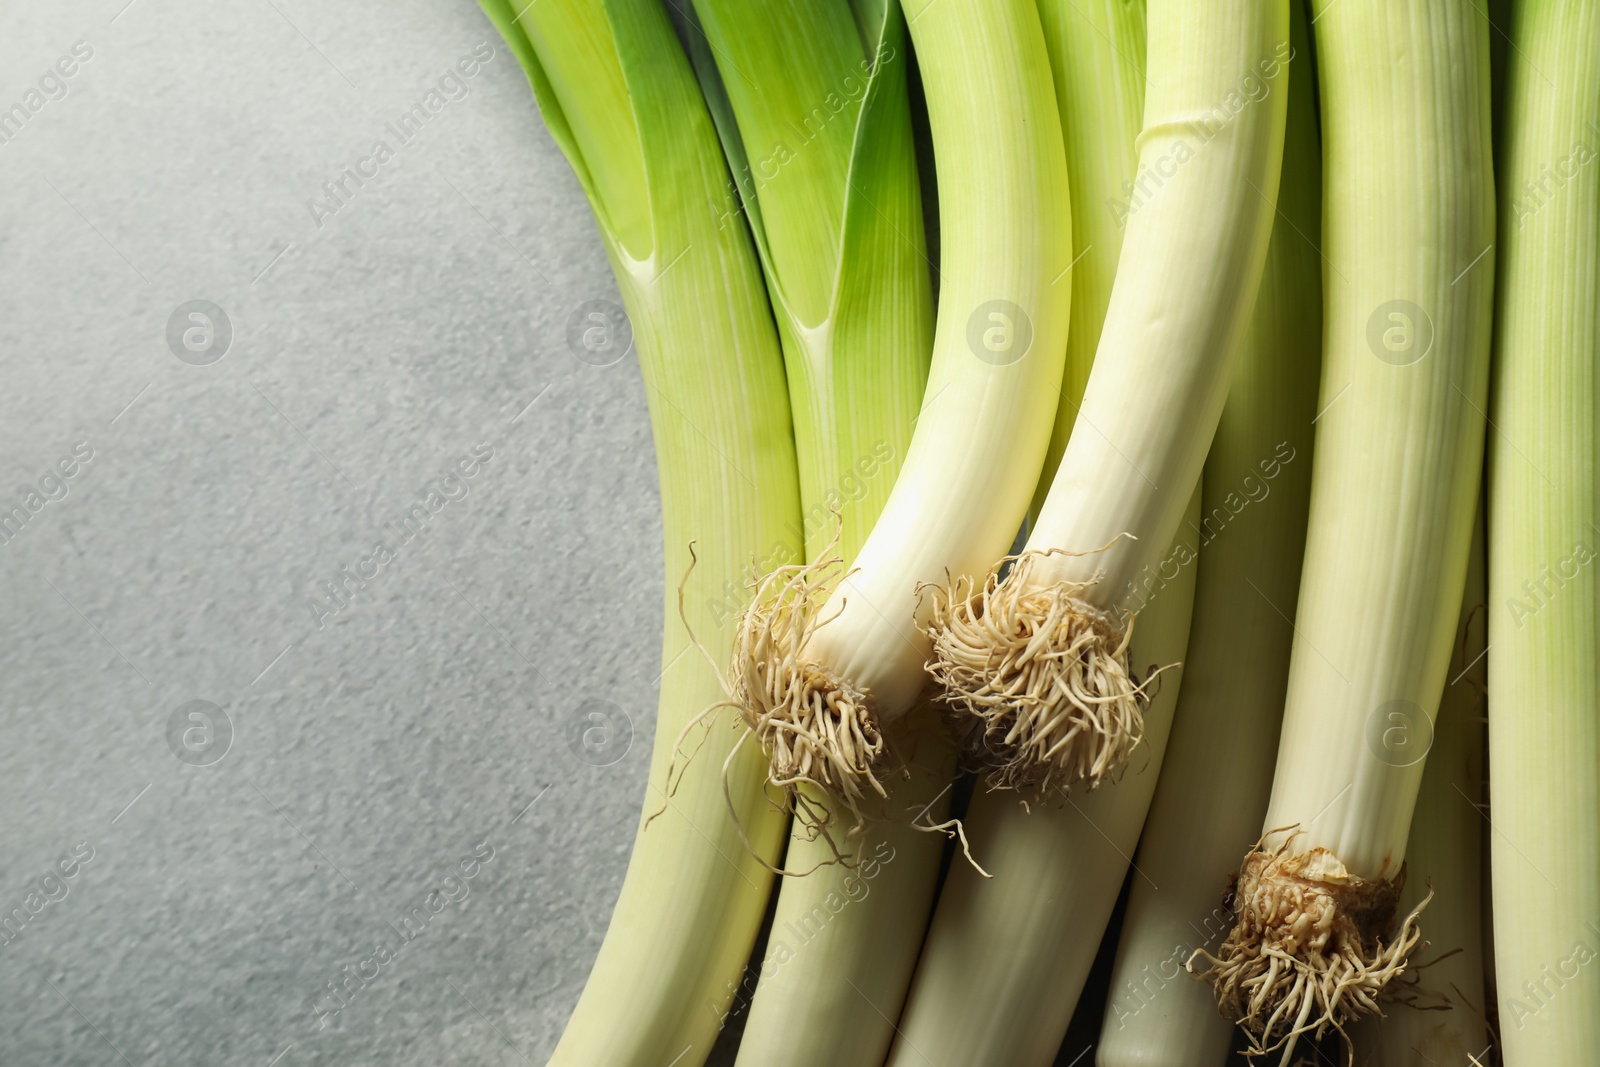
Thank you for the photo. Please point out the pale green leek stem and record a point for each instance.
(1544, 539)
(1007, 956)
(619, 98)
(1443, 1020)
(824, 155)
(1408, 283)
(1197, 227)
(1408, 278)
(1097, 59)
(1218, 771)
(845, 939)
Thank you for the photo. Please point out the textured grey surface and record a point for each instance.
(373, 347)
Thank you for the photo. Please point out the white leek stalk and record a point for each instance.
(1007, 956)
(1544, 537)
(621, 101)
(1408, 240)
(825, 662)
(1218, 769)
(1442, 1019)
(1040, 661)
(834, 204)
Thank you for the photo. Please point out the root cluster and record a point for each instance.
(1037, 679)
(1307, 953)
(815, 727)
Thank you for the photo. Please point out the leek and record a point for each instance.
(827, 660)
(1218, 770)
(1040, 661)
(620, 100)
(1442, 1019)
(845, 937)
(1544, 534)
(817, 126)
(1007, 956)
(1408, 241)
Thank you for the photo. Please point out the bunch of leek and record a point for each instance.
(858, 461)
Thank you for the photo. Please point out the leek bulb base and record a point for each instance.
(1310, 950)
(1038, 678)
(814, 725)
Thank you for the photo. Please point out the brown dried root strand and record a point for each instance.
(1307, 953)
(1038, 679)
(815, 727)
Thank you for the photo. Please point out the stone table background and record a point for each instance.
(350, 759)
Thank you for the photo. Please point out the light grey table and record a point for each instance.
(232, 860)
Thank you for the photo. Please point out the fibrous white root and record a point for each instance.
(1307, 953)
(1037, 678)
(815, 727)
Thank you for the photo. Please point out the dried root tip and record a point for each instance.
(1038, 680)
(815, 727)
(1307, 953)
